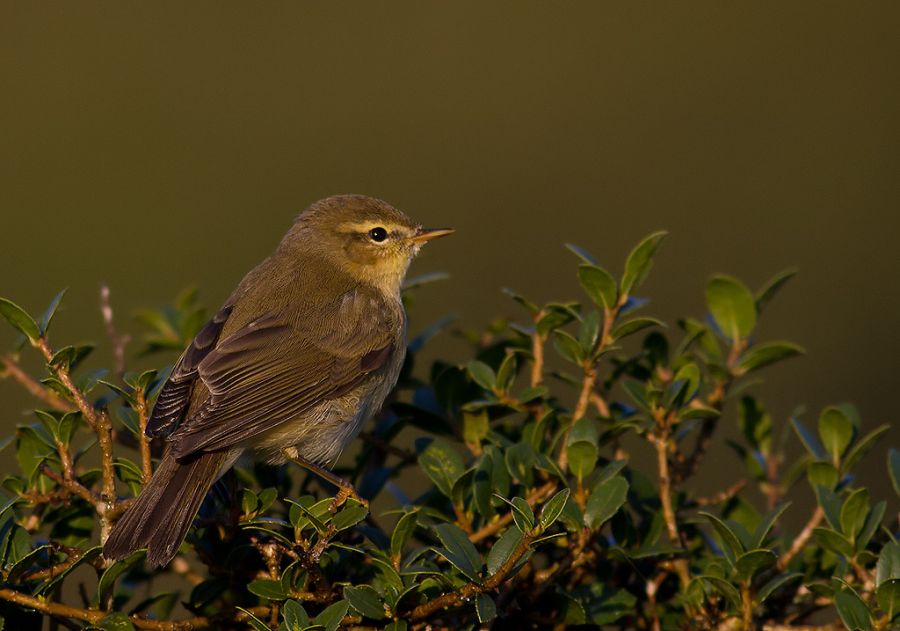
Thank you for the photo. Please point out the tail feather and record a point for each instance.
(160, 517)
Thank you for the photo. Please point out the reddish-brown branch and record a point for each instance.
(71, 485)
(802, 538)
(497, 525)
(143, 439)
(34, 387)
(456, 598)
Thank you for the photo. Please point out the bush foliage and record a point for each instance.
(530, 517)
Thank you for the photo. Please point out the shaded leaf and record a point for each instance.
(599, 285)
(852, 610)
(605, 500)
(19, 319)
(768, 353)
(485, 608)
(365, 600)
(458, 550)
(775, 584)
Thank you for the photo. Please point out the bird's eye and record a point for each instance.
(378, 234)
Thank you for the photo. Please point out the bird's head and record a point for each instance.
(366, 237)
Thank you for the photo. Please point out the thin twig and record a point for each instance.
(118, 341)
(71, 485)
(802, 538)
(495, 526)
(34, 387)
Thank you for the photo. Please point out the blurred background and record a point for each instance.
(156, 146)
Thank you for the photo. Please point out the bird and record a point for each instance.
(303, 352)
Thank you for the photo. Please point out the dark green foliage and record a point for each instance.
(532, 515)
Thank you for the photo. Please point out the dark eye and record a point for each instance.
(378, 234)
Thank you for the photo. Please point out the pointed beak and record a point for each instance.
(427, 234)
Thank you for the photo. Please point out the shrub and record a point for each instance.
(532, 516)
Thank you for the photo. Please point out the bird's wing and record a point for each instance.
(274, 369)
(175, 396)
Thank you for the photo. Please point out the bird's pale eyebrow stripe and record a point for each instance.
(364, 226)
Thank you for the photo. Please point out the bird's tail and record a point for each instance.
(160, 517)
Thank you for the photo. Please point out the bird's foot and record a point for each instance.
(345, 492)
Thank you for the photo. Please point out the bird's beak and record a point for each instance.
(427, 234)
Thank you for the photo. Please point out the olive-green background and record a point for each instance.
(157, 145)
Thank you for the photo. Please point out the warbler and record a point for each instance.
(303, 352)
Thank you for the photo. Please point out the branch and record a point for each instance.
(118, 341)
(34, 387)
(143, 439)
(495, 526)
(661, 442)
(71, 485)
(464, 593)
(802, 538)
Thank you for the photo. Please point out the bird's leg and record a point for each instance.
(345, 489)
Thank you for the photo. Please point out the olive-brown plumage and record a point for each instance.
(302, 353)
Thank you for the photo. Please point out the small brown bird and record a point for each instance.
(302, 353)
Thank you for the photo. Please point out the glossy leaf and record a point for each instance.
(629, 327)
(552, 508)
(599, 285)
(442, 464)
(503, 549)
(854, 512)
(19, 319)
(485, 608)
(458, 550)
(853, 611)
(403, 532)
(861, 447)
(331, 616)
(768, 353)
(640, 261)
(775, 584)
(836, 431)
(365, 600)
(731, 545)
(605, 500)
(731, 305)
(753, 561)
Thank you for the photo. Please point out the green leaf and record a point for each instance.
(365, 600)
(599, 285)
(765, 526)
(47, 318)
(629, 327)
(768, 353)
(894, 468)
(553, 508)
(506, 374)
(249, 502)
(482, 374)
(605, 501)
(833, 541)
(853, 611)
(836, 432)
(403, 531)
(731, 545)
(772, 286)
(888, 596)
(295, 616)
(351, 514)
(567, 346)
(503, 549)
(20, 320)
(253, 621)
(331, 616)
(442, 464)
(485, 608)
(639, 262)
(862, 446)
(822, 473)
(117, 621)
(732, 306)
(752, 561)
(775, 584)
(458, 550)
(523, 516)
(725, 588)
(830, 503)
(854, 512)
(113, 572)
(873, 522)
(88, 556)
(582, 448)
(482, 486)
(268, 589)
(808, 439)
(888, 568)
